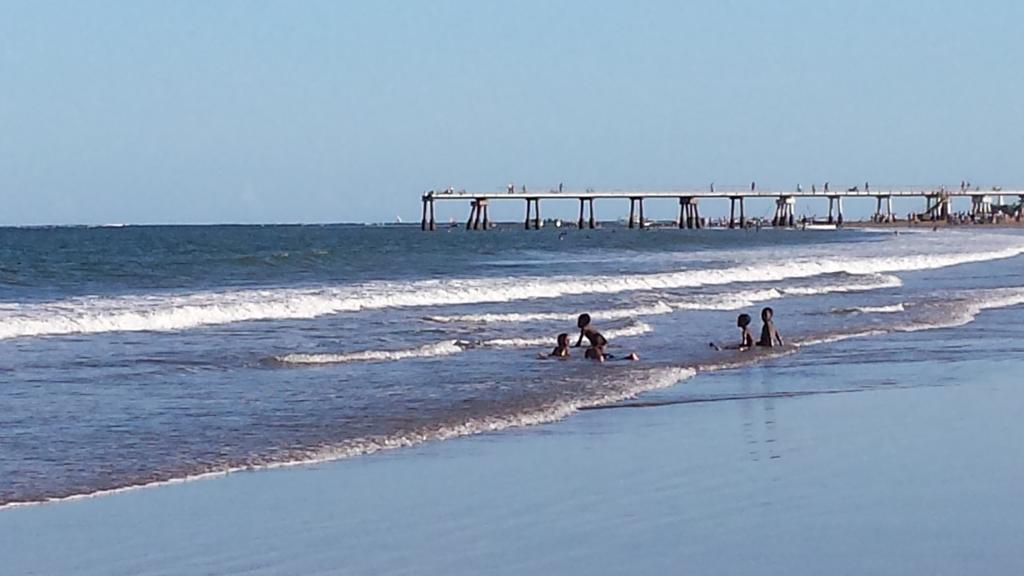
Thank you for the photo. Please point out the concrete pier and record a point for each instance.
(937, 204)
(689, 214)
(785, 212)
(733, 201)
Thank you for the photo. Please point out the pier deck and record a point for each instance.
(937, 203)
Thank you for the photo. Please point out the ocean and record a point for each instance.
(133, 356)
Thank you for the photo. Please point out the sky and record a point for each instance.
(333, 111)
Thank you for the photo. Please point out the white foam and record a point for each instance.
(635, 329)
(167, 312)
(446, 348)
(643, 382)
(729, 301)
(746, 298)
(947, 314)
(513, 318)
(840, 337)
(863, 283)
(882, 309)
(964, 311)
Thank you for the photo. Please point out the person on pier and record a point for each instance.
(770, 336)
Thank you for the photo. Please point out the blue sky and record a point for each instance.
(311, 111)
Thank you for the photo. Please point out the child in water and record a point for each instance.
(597, 353)
(770, 336)
(746, 336)
(589, 332)
(562, 349)
(597, 341)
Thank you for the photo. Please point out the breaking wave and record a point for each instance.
(446, 348)
(514, 317)
(170, 312)
(886, 309)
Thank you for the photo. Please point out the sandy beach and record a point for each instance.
(917, 473)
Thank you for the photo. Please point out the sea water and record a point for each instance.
(139, 355)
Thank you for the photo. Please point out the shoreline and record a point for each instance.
(643, 490)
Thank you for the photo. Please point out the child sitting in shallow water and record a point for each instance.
(746, 336)
(597, 343)
(770, 336)
(562, 349)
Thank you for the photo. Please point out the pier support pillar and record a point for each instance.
(839, 210)
(693, 214)
(732, 212)
(432, 224)
(831, 210)
(689, 216)
(529, 203)
(487, 220)
(743, 216)
(883, 209)
(579, 223)
(480, 207)
(981, 206)
(632, 212)
(536, 214)
(472, 214)
(785, 212)
(783, 215)
(593, 222)
(423, 221)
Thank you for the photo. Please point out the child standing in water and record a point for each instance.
(770, 336)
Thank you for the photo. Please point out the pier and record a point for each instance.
(937, 204)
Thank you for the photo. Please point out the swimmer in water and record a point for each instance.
(770, 336)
